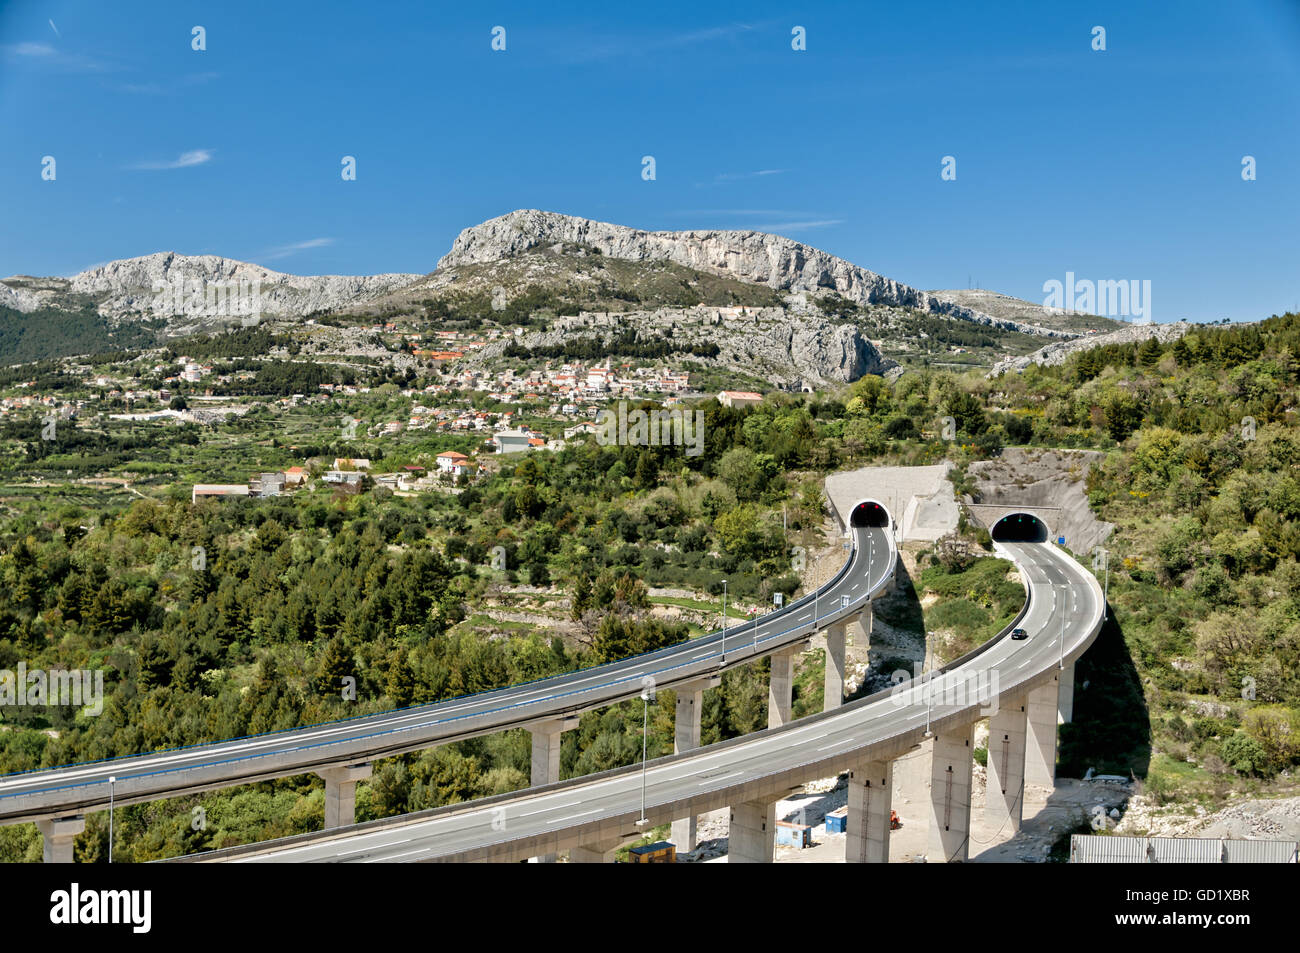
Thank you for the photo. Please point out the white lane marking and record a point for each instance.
(396, 843)
(384, 860)
(565, 820)
(721, 777)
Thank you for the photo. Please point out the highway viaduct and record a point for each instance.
(1024, 687)
(341, 752)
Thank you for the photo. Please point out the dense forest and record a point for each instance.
(53, 332)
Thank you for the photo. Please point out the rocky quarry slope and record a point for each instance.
(1051, 479)
(1009, 308)
(1058, 352)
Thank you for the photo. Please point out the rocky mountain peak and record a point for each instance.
(772, 260)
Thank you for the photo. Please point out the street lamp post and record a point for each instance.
(645, 724)
(724, 622)
(111, 781)
(1065, 608)
(1105, 604)
(929, 696)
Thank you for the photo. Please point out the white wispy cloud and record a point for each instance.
(56, 30)
(780, 220)
(796, 226)
(733, 211)
(710, 33)
(284, 251)
(48, 56)
(31, 49)
(173, 87)
(184, 161)
(722, 177)
(624, 46)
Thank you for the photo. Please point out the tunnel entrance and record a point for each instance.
(1019, 528)
(869, 513)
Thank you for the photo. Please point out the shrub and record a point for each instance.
(1245, 755)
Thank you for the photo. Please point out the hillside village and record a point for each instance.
(484, 407)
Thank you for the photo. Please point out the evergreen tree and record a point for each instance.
(336, 664)
(400, 681)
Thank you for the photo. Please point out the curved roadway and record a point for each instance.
(79, 788)
(1063, 616)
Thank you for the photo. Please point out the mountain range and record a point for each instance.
(564, 264)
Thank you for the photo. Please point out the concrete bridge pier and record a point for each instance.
(688, 718)
(860, 625)
(1065, 700)
(341, 793)
(1004, 795)
(950, 789)
(1040, 750)
(833, 694)
(547, 735)
(891, 581)
(871, 800)
(751, 837)
(597, 853)
(780, 688)
(59, 834)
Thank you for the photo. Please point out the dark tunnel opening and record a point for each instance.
(1019, 528)
(869, 513)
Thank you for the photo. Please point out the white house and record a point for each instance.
(739, 398)
(511, 441)
(343, 476)
(454, 463)
(219, 489)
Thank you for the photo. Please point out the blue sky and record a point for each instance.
(1122, 164)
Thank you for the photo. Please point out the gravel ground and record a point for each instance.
(1048, 816)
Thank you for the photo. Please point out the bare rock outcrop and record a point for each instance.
(129, 285)
(769, 343)
(756, 257)
(1054, 479)
(1059, 351)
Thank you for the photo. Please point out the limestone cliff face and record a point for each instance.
(128, 285)
(835, 355)
(769, 343)
(20, 299)
(772, 260)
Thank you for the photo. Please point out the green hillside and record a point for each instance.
(1195, 688)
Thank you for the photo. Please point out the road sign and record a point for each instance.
(778, 599)
(1060, 540)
